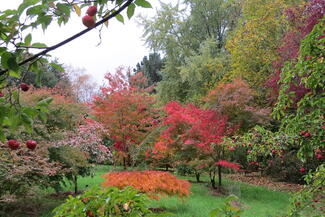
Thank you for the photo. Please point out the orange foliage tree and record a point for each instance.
(153, 183)
(236, 100)
(126, 112)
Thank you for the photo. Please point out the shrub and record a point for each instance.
(88, 138)
(74, 162)
(310, 200)
(105, 202)
(228, 209)
(153, 183)
(22, 169)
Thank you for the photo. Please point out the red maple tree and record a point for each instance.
(126, 112)
(189, 127)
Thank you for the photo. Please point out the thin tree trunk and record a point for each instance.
(219, 174)
(197, 176)
(124, 163)
(213, 178)
(75, 184)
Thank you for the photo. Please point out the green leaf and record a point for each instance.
(119, 2)
(4, 59)
(36, 10)
(143, 3)
(26, 4)
(39, 45)
(8, 61)
(57, 67)
(27, 123)
(120, 18)
(45, 102)
(28, 39)
(14, 74)
(30, 112)
(130, 10)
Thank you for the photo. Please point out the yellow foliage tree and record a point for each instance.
(254, 43)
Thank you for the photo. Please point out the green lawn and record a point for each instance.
(258, 201)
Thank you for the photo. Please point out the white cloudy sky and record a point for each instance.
(121, 44)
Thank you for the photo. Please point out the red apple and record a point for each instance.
(88, 21)
(302, 170)
(24, 87)
(91, 11)
(31, 144)
(13, 144)
(1, 94)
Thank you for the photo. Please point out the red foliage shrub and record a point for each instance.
(153, 183)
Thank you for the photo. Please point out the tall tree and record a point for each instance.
(179, 33)
(301, 20)
(151, 68)
(254, 43)
(126, 113)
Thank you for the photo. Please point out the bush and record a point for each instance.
(74, 162)
(286, 168)
(153, 183)
(228, 209)
(22, 169)
(108, 202)
(310, 200)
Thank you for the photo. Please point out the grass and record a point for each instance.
(257, 201)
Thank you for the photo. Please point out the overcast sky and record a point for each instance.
(121, 44)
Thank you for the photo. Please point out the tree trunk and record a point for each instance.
(197, 176)
(75, 181)
(166, 168)
(124, 163)
(129, 163)
(219, 174)
(213, 178)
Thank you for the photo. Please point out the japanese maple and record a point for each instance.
(126, 112)
(189, 126)
(153, 183)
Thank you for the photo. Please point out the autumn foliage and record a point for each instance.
(301, 20)
(190, 124)
(153, 183)
(227, 164)
(126, 113)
